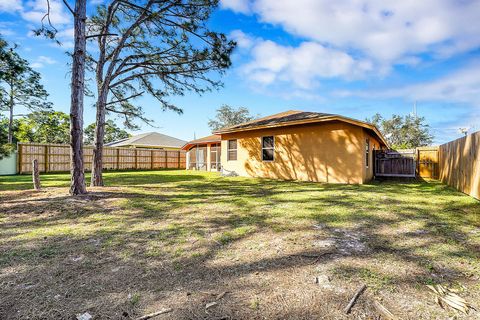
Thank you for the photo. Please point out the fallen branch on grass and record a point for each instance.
(354, 299)
(383, 311)
(151, 315)
(316, 257)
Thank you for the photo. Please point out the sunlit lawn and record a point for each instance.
(150, 240)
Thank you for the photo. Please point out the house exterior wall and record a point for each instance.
(368, 172)
(331, 152)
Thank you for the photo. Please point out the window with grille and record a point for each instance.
(268, 148)
(232, 150)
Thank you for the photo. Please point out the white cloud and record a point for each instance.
(36, 65)
(66, 33)
(461, 86)
(41, 61)
(243, 40)
(10, 6)
(301, 66)
(46, 60)
(34, 11)
(66, 38)
(7, 32)
(242, 6)
(386, 31)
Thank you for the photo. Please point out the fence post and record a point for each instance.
(417, 162)
(46, 158)
(136, 155)
(118, 159)
(19, 160)
(35, 175)
(178, 166)
(151, 159)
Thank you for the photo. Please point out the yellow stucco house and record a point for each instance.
(292, 145)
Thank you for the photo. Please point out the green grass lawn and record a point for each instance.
(156, 239)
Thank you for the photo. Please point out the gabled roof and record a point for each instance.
(294, 117)
(149, 139)
(208, 139)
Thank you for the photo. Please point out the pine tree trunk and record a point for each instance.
(77, 183)
(97, 164)
(10, 122)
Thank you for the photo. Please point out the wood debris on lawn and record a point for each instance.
(354, 299)
(154, 314)
(211, 304)
(221, 295)
(447, 297)
(386, 314)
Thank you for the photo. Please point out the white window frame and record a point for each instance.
(272, 148)
(228, 149)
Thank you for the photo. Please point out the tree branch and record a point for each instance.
(101, 35)
(68, 7)
(125, 99)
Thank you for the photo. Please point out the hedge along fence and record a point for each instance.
(459, 164)
(56, 158)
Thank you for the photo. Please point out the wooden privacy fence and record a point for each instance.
(420, 162)
(390, 163)
(459, 163)
(56, 158)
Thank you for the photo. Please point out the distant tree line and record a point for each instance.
(52, 127)
(406, 132)
(21, 90)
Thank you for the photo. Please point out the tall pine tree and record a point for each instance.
(155, 47)
(21, 86)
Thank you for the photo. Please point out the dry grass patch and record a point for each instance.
(284, 250)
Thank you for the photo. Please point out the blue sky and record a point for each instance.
(353, 58)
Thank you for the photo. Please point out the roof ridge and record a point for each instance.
(139, 136)
(262, 118)
(276, 115)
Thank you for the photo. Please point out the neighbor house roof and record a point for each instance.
(150, 139)
(293, 117)
(208, 139)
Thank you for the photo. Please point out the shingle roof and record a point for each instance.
(294, 117)
(150, 139)
(279, 118)
(212, 138)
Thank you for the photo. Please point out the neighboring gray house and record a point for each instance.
(149, 140)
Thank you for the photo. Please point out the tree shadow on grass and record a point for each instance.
(125, 178)
(185, 236)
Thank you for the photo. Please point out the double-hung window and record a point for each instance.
(268, 148)
(232, 150)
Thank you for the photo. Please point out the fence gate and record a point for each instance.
(427, 158)
(389, 163)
